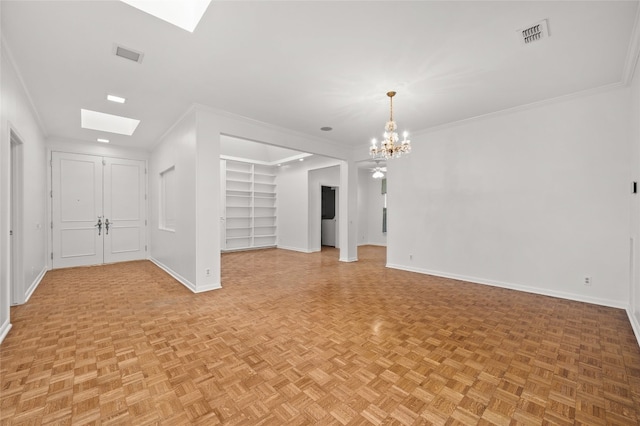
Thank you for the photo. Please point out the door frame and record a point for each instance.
(16, 210)
(319, 224)
(336, 202)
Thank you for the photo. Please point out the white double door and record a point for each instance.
(99, 210)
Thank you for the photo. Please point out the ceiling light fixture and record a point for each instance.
(117, 99)
(103, 140)
(378, 170)
(389, 147)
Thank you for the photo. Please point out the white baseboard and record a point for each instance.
(35, 284)
(301, 250)
(372, 244)
(527, 289)
(4, 330)
(182, 280)
(349, 259)
(635, 324)
(209, 287)
(185, 282)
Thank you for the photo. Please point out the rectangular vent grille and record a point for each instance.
(126, 53)
(535, 32)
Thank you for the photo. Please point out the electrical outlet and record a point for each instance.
(587, 281)
(207, 272)
(410, 257)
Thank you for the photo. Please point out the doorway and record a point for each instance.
(329, 223)
(15, 218)
(99, 210)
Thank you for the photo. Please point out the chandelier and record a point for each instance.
(390, 147)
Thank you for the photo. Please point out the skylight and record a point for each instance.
(184, 13)
(107, 123)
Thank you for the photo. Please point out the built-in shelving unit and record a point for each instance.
(249, 205)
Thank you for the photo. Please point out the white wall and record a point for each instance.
(370, 204)
(296, 195)
(207, 203)
(363, 206)
(17, 115)
(634, 307)
(534, 199)
(176, 251)
(326, 176)
(375, 205)
(292, 206)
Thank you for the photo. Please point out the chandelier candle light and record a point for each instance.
(390, 146)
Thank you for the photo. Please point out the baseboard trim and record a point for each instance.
(349, 259)
(4, 330)
(185, 282)
(301, 250)
(510, 286)
(635, 324)
(209, 287)
(35, 284)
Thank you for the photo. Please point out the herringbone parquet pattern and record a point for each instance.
(298, 338)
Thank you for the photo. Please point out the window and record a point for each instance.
(168, 200)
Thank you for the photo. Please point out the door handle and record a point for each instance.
(99, 225)
(106, 226)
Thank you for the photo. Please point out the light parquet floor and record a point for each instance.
(298, 338)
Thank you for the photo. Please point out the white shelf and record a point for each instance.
(249, 205)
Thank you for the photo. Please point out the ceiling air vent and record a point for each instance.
(535, 32)
(126, 53)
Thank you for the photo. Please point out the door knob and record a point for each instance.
(99, 225)
(106, 226)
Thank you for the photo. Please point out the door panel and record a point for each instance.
(77, 204)
(79, 242)
(86, 187)
(124, 206)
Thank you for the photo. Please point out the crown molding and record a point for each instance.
(524, 107)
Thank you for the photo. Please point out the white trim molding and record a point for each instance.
(301, 250)
(635, 324)
(518, 287)
(185, 282)
(182, 280)
(4, 330)
(202, 289)
(35, 284)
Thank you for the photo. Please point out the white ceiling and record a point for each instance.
(308, 64)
